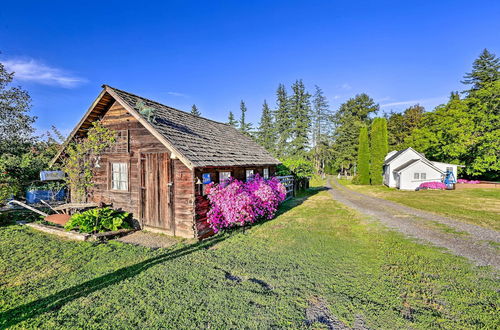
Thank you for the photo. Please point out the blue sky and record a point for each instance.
(215, 53)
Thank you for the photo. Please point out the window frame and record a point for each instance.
(247, 177)
(423, 176)
(265, 172)
(221, 173)
(125, 175)
(416, 176)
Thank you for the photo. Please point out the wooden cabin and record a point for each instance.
(160, 163)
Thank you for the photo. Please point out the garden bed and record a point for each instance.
(480, 185)
(74, 235)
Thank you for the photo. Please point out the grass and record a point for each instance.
(477, 206)
(262, 277)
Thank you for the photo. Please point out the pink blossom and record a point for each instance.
(432, 185)
(236, 203)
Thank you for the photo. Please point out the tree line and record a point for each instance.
(302, 129)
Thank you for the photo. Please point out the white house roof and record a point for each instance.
(399, 153)
(412, 162)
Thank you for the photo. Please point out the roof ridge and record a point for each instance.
(164, 105)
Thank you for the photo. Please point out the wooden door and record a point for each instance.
(155, 190)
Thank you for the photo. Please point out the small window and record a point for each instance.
(416, 176)
(423, 176)
(223, 176)
(119, 176)
(121, 143)
(265, 173)
(249, 174)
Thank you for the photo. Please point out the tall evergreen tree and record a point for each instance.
(378, 149)
(195, 111)
(485, 69)
(348, 120)
(231, 120)
(244, 126)
(300, 113)
(363, 157)
(282, 121)
(321, 130)
(266, 133)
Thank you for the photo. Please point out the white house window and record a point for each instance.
(249, 174)
(416, 176)
(223, 176)
(265, 173)
(423, 176)
(119, 176)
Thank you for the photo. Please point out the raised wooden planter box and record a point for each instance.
(73, 235)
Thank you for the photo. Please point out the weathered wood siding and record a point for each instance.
(142, 141)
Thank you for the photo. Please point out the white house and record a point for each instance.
(407, 169)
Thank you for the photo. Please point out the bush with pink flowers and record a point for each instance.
(432, 185)
(467, 181)
(236, 203)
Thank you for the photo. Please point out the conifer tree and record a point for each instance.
(321, 129)
(231, 120)
(485, 69)
(282, 121)
(363, 157)
(266, 133)
(300, 114)
(244, 126)
(195, 111)
(378, 149)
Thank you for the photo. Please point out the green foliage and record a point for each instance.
(81, 156)
(378, 149)
(401, 125)
(245, 127)
(195, 111)
(363, 156)
(231, 120)
(16, 125)
(98, 220)
(300, 117)
(348, 120)
(320, 249)
(266, 136)
(485, 70)
(321, 131)
(282, 120)
(300, 168)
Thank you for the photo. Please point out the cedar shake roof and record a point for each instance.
(202, 141)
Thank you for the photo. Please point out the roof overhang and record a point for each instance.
(95, 112)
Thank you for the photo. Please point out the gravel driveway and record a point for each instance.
(470, 241)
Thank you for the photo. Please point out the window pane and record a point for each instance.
(266, 173)
(415, 176)
(224, 176)
(423, 176)
(119, 176)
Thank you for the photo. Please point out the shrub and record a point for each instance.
(98, 220)
(467, 181)
(432, 185)
(299, 167)
(235, 203)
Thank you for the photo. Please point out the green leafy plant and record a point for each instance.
(98, 220)
(81, 156)
(300, 168)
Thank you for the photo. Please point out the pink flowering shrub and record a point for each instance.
(467, 181)
(235, 203)
(432, 185)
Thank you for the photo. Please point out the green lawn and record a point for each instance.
(265, 276)
(476, 206)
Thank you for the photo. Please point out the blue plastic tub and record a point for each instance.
(34, 196)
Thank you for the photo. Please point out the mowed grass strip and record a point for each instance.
(260, 277)
(476, 206)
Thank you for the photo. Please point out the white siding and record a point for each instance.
(407, 180)
(443, 166)
(405, 157)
